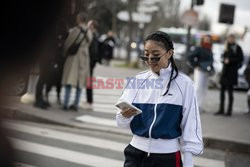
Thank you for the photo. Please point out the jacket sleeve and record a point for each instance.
(191, 139)
(127, 95)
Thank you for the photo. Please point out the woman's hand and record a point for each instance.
(226, 60)
(128, 112)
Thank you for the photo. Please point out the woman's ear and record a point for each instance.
(170, 53)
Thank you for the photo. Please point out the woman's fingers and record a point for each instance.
(128, 112)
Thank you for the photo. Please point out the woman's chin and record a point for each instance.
(155, 70)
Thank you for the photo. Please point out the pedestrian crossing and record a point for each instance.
(35, 141)
(72, 156)
(63, 154)
(106, 152)
(96, 120)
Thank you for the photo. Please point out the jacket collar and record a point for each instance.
(163, 72)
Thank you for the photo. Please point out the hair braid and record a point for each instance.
(172, 76)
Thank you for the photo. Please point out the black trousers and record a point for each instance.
(229, 88)
(248, 101)
(41, 83)
(89, 90)
(58, 90)
(137, 158)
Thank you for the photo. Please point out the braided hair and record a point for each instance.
(166, 42)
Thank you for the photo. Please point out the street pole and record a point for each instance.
(188, 44)
(130, 29)
(189, 32)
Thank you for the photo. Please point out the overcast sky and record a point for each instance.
(211, 9)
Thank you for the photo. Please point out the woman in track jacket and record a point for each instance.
(170, 120)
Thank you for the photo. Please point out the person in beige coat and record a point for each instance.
(76, 67)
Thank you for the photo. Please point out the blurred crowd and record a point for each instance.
(201, 60)
(73, 61)
(37, 43)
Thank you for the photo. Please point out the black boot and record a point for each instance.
(65, 108)
(73, 107)
(230, 102)
(46, 101)
(40, 104)
(228, 114)
(248, 102)
(220, 112)
(222, 101)
(58, 100)
(230, 107)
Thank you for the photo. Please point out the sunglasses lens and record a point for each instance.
(155, 59)
(144, 58)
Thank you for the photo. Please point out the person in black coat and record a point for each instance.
(232, 61)
(56, 63)
(247, 76)
(107, 48)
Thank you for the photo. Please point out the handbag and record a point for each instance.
(211, 70)
(72, 50)
(207, 67)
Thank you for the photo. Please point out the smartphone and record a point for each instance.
(123, 104)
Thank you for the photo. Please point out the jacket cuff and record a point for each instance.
(188, 159)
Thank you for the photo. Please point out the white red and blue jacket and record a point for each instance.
(167, 123)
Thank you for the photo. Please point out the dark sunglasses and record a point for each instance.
(152, 59)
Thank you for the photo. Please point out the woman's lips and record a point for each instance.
(152, 65)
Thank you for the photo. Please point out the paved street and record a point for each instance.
(95, 140)
(52, 146)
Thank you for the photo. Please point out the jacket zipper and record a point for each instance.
(150, 129)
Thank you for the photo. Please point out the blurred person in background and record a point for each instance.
(232, 59)
(44, 74)
(244, 43)
(247, 76)
(107, 48)
(95, 57)
(25, 35)
(202, 58)
(76, 67)
(57, 62)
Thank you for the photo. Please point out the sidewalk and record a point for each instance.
(227, 133)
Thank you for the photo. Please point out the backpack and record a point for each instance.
(77, 42)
